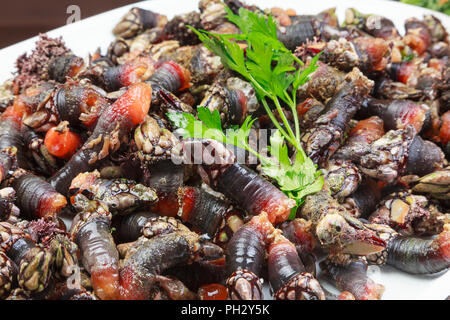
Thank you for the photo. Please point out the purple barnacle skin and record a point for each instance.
(246, 250)
(96, 244)
(420, 256)
(19, 249)
(154, 256)
(353, 278)
(207, 212)
(131, 225)
(245, 256)
(295, 35)
(326, 135)
(287, 274)
(284, 263)
(396, 114)
(424, 157)
(136, 21)
(254, 194)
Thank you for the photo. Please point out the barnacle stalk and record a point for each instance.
(91, 232)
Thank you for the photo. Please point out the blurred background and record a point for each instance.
(20, 21)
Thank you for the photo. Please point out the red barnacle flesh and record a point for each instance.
(61, 142)
(213, 291)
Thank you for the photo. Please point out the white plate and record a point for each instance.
(85, 36)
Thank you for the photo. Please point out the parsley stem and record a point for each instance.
(257, 154)
(275, 122)
(296, 122)
(283, 117)
(289, 137)
(300, 62)
(293, 106)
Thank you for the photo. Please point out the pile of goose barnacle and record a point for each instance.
(90, 140)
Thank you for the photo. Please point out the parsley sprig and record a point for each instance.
(276, 74)
(438, 5)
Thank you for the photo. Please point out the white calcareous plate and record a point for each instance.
(87, 35)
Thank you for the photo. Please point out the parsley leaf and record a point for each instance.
(209, 127)
(300, 178)
(275, 74)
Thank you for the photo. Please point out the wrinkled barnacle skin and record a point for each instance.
(119, 195)
(7, 274)
(32, 260)
(302, 287)
(212, 14)
(162, 225)
(176, 28)
(244, 285)
(34, 270)
(6, 94)
(144, 228)
(413, 254)
(342, 178)
(287, 273)
(155, 142)
(67, 65)
(336, 229)
(245, 254)
(400, 210)
(420, 256)
(387, 155)
(151, 257)
(327, 133)
(91, 230)
(136, 21)
(352, 277)
(65, 255)
(233, 100)
(8, 211)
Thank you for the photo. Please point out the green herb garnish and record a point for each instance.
(438, 5)
(272, 70)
